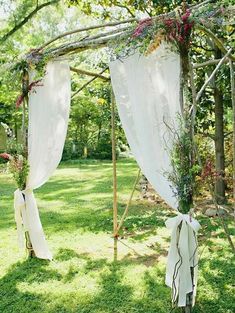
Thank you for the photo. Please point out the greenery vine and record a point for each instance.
(17, 162)
(184, 166)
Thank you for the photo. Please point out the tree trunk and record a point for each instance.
(85, 152)
(232, 79)
(219, 141)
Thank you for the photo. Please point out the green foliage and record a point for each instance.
(103, 150)
(184, 168)
(17, 163)
(121, 8)
(18, 166)
(89, 134)
(68, 151)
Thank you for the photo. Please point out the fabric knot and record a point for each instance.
(182, 262)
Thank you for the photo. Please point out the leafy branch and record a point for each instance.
(26, 19)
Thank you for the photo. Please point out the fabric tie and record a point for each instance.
(19, 206)
(27, 219)
(182, 256)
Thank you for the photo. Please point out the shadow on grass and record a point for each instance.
(218, 274)
(30, 271)
(115, 294)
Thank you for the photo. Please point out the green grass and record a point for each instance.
(76, 213)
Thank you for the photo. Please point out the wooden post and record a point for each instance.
(186, 77)
(115, 207)
(233, 104)
(25, 86)
(119, 226)
(181, 95)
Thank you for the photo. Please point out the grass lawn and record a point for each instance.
(76, 213)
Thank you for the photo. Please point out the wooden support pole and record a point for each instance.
(129, 202)
(233, 105)
(194, 96)
(115, 205)
(181, 95)
(25, 86)
(186, 76)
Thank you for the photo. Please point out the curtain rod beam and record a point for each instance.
(82, 29)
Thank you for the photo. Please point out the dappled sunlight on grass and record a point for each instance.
(76, 213)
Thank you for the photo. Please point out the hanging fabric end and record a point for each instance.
(182, 262)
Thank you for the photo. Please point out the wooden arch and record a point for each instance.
(116, 30)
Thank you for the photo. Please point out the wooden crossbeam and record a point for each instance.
(87, 83)
(88, 73)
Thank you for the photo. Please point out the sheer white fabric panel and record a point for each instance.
(48, 120)
(147, 94)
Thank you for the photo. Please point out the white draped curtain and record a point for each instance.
(49, 106)
(147, 92)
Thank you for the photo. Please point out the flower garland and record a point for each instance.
(16, 158)
(33, 61)
(29, 88)
(174, 30)
(177, 29)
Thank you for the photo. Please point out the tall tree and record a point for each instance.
(219, 137)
